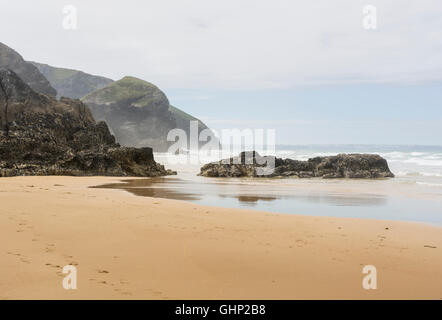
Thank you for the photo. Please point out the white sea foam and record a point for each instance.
(417, 174)
(406, 161)
(418, 164)
(428, 184)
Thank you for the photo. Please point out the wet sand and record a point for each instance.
(391, 199)
(130, 247)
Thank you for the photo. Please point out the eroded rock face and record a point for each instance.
(10, 59)
(139, 114)
(251, 164)
(136, 111)
(71, 83)
(42, 136)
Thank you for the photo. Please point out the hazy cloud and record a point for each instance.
(241, 44)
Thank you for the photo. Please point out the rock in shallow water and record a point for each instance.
(251, 164)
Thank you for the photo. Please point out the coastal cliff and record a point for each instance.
(40, 135)
(71, 83)
(10, 59)
(139, 113)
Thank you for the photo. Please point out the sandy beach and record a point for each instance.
(129, 247)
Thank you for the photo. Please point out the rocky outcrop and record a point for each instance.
(138, 113)
(10, 59)
(42, 136)
(71, 83)
(251, 164)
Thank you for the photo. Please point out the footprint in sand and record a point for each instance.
(124, 293)
(25, 260)
(103, 271)
(15, 254)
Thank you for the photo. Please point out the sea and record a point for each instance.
(415, 194)
(416, 164)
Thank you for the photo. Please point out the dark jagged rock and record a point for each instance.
(42, 136)
(10, 59)
(251, 164)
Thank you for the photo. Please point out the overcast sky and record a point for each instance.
(210, 54)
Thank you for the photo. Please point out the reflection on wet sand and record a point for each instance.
(254, 199)
(148, 188)
(249, 200)
(180, 189)
(312, 197)
(344, 200)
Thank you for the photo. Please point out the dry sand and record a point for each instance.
(129, 247)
